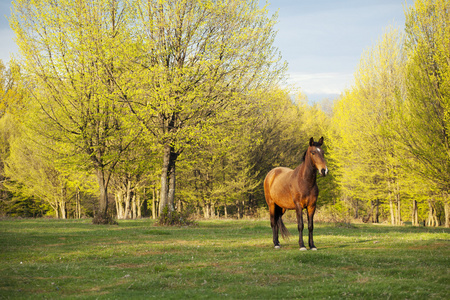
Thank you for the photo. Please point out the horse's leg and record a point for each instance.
(299, 211)
(274, 224)
(311, 210)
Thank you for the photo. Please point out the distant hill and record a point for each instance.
(316, 98)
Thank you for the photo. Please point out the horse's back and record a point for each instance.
(278, 173)
(277, 187)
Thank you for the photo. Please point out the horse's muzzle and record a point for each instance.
(324, 172)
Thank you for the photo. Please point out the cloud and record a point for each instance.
(320, 83)
(323, 40)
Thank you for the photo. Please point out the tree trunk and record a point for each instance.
(164, 193)
(78, 204)
(399, 210)
(447, 212)
(133, 210)
(119, 207)
(391, 209)
(238, 206)
(372, 208)
(62, 207)
(138, 206)
(168, 179)
(213, 209)
(179, 208)
(377, 211)
(206, 207)
(56, 209)
(154, 204)
(430, 219)
(446, 209)
(391, 204)
(127, 213)
(172, 183)
(226, 211)
(102, 214)
(62, 202)
(415, 216)
(197, 208)
(436, 220)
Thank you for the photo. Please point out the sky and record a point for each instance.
(322, 40)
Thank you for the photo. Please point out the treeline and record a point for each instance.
(390, 131)
(124, 109)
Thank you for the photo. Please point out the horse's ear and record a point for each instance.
(311, 141)
(320, 141)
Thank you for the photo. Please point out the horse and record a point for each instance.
(297, 189)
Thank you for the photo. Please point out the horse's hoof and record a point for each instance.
(314, 249)
(303, 249)
(277, 247)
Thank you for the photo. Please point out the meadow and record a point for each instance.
(219, 259)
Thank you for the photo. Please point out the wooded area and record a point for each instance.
(125, 109)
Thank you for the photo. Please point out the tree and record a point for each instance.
(31, 175)
(135, 172)
(426, 116)
(363, 145)
(198, 60)
(72, 51)
(218, 173)
(10, 103)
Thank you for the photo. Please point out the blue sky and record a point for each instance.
(322, 40)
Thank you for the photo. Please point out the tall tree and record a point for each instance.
(364, 145)
(71, 51)
(10, 103)
(217, 173)
(427, 109)
(198, 59)
(30, 174)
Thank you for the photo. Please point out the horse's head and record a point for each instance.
(315, 152)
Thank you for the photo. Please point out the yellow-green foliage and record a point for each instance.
(390, 129)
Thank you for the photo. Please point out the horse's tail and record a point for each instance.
(283, 230)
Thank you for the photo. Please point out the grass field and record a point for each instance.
(47, 259)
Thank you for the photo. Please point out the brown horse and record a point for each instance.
(297, 189)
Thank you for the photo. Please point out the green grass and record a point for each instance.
(219, 259)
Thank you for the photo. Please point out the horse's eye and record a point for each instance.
(313, 152)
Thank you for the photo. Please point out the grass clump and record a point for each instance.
(175, 218)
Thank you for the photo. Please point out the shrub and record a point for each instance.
(174, 218)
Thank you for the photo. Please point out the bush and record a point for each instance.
(99, 220)
(174, 218)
